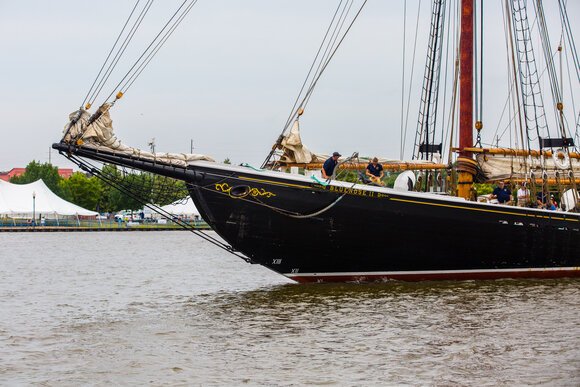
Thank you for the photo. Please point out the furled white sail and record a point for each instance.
(497, 167)
(294, 150)
(100, 134)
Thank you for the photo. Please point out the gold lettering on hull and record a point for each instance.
(252, 191)
(353, 191)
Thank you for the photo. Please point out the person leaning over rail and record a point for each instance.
(329, 165)
(502, 193)
(375, 171)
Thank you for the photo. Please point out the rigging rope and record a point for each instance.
(143, 60)
(445, 82)
(570, 35)
(178, 17)
(531, 94)
(295, 106)
(156, 49)
(411, 76)
(333, 47)
(427, 120)
(478, 68)
(110, 180)
(403, 78)
(552, 75)
(120, 53)
(332, 41)
(110, 52)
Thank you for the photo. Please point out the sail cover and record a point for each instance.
(100, 135)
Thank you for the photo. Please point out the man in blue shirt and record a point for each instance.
(502, 193)
(375, 171)
(329, 165)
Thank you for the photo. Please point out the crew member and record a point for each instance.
(542, 198)
(523, 196)
(375, 171)
(502, 193)
(329, 165)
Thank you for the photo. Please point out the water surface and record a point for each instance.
(167, 308)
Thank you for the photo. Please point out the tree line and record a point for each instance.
(93, 193)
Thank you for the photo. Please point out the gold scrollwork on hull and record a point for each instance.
(242, 191)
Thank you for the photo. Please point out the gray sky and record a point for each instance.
(226, 79)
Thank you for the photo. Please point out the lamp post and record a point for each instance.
(33, 208)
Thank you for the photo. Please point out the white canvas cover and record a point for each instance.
(16, 200)
(183, 207)
(100, 135)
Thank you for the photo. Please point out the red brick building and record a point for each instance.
(65, 173)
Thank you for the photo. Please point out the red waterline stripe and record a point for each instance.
(437, 276)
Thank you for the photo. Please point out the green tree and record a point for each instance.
(483, 188)
(111, 198)
(35, 171)
(227, 161)
(82, 190)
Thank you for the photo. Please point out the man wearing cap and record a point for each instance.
(329, 165)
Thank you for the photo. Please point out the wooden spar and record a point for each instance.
(400, 166)
(515, 152)
(466, 166)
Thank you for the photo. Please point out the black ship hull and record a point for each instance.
(343, 232)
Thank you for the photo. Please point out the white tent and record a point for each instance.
(18, 200)
(183, 207)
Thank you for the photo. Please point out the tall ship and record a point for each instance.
(434, 224)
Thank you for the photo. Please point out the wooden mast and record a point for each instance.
(466, 166)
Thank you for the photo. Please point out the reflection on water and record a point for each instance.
(164, 308)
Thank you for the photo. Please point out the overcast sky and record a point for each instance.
(226, 79)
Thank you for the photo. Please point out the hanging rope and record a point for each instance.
(291, 214)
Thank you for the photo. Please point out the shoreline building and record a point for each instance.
(65, 173)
